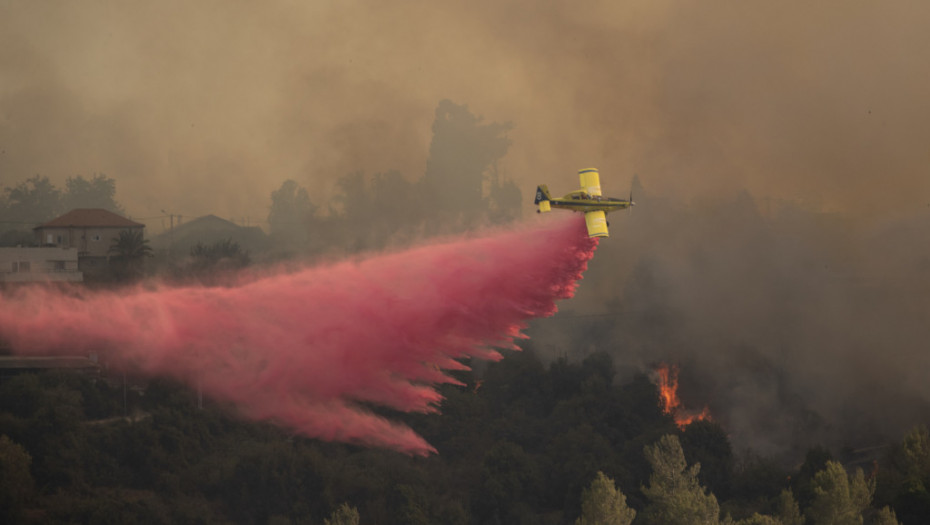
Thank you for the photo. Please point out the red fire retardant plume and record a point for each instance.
(303, 348)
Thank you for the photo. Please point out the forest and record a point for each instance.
(520, 442)
(772, 310)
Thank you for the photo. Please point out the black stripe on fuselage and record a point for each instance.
(611, 204)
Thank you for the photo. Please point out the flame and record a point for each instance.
(667, 381)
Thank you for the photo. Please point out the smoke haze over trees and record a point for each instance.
(37, 200)
(461, 189)
(794, 101)
(778, 254)
(795, 326)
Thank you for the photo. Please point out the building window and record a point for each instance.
(25, 266)
(59, 266)
(97, 237)
(59, 239)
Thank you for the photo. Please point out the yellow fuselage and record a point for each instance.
(580, 201)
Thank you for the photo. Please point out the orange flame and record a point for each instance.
(667, 377)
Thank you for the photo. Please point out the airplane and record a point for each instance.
(587, 200)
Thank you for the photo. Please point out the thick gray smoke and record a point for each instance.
(206, 107)
(795, 327)
(797, 310)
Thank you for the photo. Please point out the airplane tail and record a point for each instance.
(542, 198)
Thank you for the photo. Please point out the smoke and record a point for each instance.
(176, 99)
(802, 309)
(307, 349)
(796, 327)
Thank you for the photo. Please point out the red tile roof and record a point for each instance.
(91, 218)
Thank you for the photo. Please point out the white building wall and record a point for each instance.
(39, 265)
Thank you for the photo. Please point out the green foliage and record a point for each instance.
(508, 477)
(16, 483)
(787, 510)
(128, 252)
(521, 442)
(759, 519)
(885, 516)
(916, 451)
(674, 493)
(753, 475)
(705, 443)
(839, 499)
(906, 478)
(603, 504)
(213, 263)
(815, 461)
(344, 515)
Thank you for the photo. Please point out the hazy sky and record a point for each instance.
(206, 107)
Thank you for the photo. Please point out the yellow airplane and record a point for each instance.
(587, 200)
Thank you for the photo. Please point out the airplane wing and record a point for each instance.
(596, 222)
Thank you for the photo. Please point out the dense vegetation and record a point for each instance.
(520, 442)
(734, 292)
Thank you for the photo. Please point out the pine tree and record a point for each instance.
(885, 516)
(344, 515)
(787, 510)
(839, 499)
(603, 504)
(675, 496)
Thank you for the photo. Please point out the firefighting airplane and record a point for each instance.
(587, 200)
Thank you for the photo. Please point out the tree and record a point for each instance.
(916, 452)
(98, 192)
(886, 516)
(33, 202)
(507, 474)
(758, 519)
(16, 483)
(344, 515)
(130, 250)
(291, 215)
(505, 200)
(839, 499)
(705, 442)
(905, 482)
(373, 210)
(603, 504)
(787, 510)
(220, 256)
(675, 496)
(463, 156)
(815, 460)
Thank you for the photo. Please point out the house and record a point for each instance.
(50, 264)
(90, 231)
(208, 230)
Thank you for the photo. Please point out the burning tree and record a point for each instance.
(667, 381)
